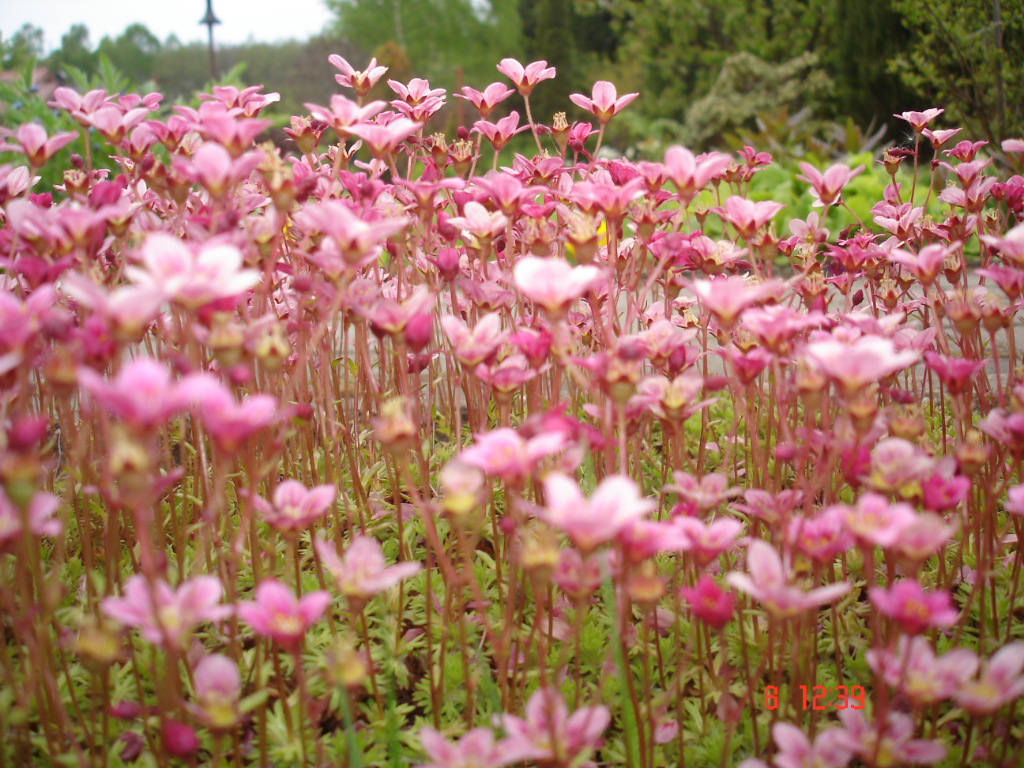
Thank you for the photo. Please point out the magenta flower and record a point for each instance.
(360, 573)
(359, 81)
(913, 609)
(276, 613)
(166, 617)
(828, 186)
(615, 504)
(768, 583)
(919, 120)
(526, 78)
(552, 283)
(476, 749)
(605, 103)
(295, 507)
(709, 602)
(485, 102)
(549, 734)
(821, 538)
(1000, 683)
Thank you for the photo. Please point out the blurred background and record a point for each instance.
(794, 77)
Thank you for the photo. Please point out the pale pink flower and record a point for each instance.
(384, 140)
(796, 750)
(166, 617)
(726, 297)
(875, 521)
(553, 284)
(913, 609)
(605, 102)
(691, 174)
(927, 263)
(142, 395)
(767, 582)
(526, 78)
(191, 276)
(276, 613)
(41, 517)
(360, 573)
(893, 739)
(296, 507)
(1000, 683)
(1010, 246)
(358, 238)
(344, 113)
(862, 362)
(476, 749)
(827, 187)
(614, 505)
(505, 454)
(822, 537)
(417, 91)
(213, 168)
(359, 81)
(228, 422)
(705, 493)
(479, 222)
(218, 687)
(549, 734)
(707, 540)
(916, 672)
(473, 346)
(1013, 146)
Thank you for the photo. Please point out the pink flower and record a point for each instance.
(344, 113)
(212, 167)
(503, 453)
(384, 140)
(615, 504)
(500, 133)
(828, 186)
(875, 521)
(476, 749)
(548, 734)
(41, 520)
(473, 346)
(916, 672)
(709, 602)
(796, 751)
(768, 583)
(727, 297)
(747, 216)
(526, 78)
(142, 394)
(912, 608)
(193, 278)
(853, 366)
(218, 690)
(821, 538)
(1001, 682)
(358, 238)
(552, 283)
(919, 120)
(277, 614)
(690, 174)
(295, 507)
(360, 82)
(229, 423)
(33, 143)
(893, 739)
(360, 573)
(479, 222)
(485, 102)
(604, 105)
(164, 616)
(706, 494)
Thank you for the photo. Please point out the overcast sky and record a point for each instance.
(242, 20)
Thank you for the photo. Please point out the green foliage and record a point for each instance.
(25, 45)
(967, 55)
(440, 38)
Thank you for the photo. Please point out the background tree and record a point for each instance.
(24, 45)
(133, 52)
(75, 51)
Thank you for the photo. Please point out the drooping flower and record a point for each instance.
(360, 573)
(166, 617)
(276, 612)
(549, 734)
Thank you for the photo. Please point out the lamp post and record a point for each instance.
(209, 20)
